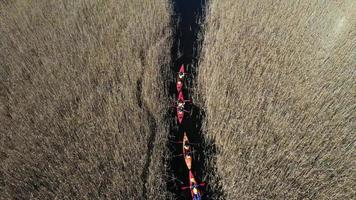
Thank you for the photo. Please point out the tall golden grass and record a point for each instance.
(79, 90)
(277, 81)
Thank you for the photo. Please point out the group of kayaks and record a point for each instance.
(187, 152)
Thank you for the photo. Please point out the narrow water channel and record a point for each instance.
(188, 16)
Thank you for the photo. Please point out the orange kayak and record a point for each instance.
(187, 151)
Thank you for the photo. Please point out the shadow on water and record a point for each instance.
(187, 19)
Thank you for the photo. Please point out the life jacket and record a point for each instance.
(181, 109)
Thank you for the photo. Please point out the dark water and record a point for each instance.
(188, 17)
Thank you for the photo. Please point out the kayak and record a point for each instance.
(187, 151)
(194, 187)
(194, 190)
(180, 107)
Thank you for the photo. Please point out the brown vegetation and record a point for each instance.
(277, 81)
(79, 87)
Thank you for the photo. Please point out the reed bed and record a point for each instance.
(80, 83)
(277, 82)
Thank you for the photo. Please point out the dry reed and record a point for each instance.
(277, 81)
(79, 86)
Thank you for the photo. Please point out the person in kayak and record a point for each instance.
(181, 75)
(187, 152)
(179, 85)
(186, 146)
(196, 193)
(180, 106)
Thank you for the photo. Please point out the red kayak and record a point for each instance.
(194, 187)
(180, 78)
(187, 152)
(180, 107)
